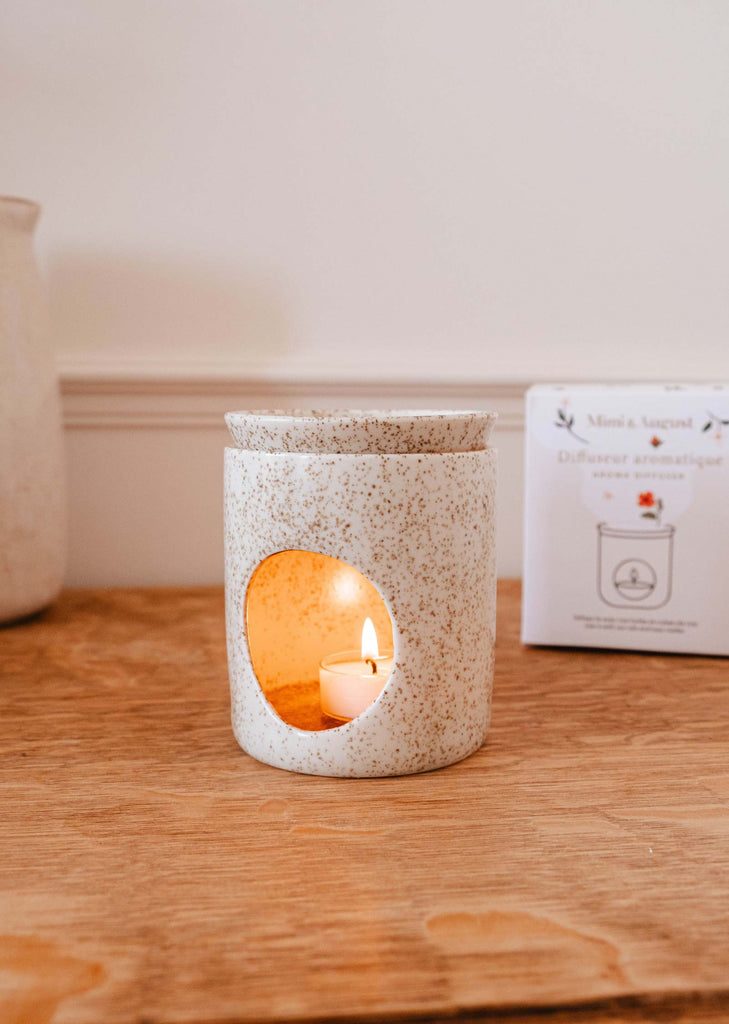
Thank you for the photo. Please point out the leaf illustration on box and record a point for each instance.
(568, 423)
(716, 422)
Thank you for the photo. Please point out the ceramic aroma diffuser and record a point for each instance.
(360, 588)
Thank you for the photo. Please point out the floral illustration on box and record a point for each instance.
(635, 563)
(715, 422)
(653, 506)
(567, 422)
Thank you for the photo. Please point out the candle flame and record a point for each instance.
(369, 641)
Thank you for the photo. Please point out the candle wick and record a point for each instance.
(373, 663)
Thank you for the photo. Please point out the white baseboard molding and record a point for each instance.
(193, 400)
(145, 455)
(145, 458)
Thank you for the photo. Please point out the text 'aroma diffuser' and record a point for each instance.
(360, 588)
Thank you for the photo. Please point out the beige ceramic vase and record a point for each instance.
(32, 490)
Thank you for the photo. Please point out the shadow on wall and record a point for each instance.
(126, 309)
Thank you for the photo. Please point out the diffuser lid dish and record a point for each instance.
(365, 432)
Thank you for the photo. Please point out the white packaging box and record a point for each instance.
(626, 540)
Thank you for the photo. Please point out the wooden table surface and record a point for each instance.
(151, 872)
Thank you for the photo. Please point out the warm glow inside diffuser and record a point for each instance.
(320, 638)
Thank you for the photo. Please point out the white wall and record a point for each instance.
(399, 191)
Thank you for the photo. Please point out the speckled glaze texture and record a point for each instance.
(373, 432)
(420, 527)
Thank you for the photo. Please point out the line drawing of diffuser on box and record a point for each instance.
(635, 567)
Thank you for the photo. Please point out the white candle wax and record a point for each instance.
(348, 685)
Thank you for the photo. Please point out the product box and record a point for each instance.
(626, 538)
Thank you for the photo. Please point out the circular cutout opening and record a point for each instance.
(320, 638)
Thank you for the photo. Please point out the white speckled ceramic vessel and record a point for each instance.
(408, 500)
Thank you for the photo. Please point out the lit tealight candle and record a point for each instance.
(348, 683)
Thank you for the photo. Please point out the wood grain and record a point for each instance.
(576, 868)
